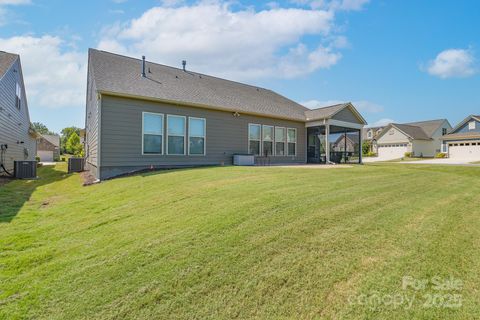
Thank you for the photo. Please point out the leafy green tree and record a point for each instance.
(73, 145)
(65, 135)
(41, 128)
(366, 147)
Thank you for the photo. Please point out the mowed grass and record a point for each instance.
(238, 242)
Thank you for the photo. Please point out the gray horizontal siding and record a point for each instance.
(346, 115)
(91, 123)
(14, 123)
(121, 135)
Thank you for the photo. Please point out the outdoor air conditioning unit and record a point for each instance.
(75, 165)
(25, 169)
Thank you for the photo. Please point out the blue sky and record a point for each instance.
(396, 60)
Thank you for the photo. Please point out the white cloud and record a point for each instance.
(346, 5)
(54, 76)
(5, 13)
(452, 63)
(14, 2)
(239, 44)
(361, 105)
(381, 122)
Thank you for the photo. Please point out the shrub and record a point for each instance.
(408, 154)
(38, 159)
(63, 159)
(441, 155)
(371, 154)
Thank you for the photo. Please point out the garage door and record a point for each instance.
(464, 151)
(45, 156)
(392, 151)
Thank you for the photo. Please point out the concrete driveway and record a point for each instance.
(443, 161)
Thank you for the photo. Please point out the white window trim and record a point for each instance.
(284, 141)
(292, 155)
(260, 140)
(184, 136)
(163, 133)
(272, 141)
(204, 136)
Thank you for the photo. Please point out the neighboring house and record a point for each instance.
(422, 139)
(17, 138)
(48, 147)
(463, 141)
(370, 136)
(142, 115)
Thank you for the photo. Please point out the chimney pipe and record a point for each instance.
(143, 67)
(184, 64)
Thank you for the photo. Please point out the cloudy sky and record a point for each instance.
(395, 60)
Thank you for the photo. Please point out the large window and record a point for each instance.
(292, 141)
(279, 141)
(175, 135)
(254, 136)
(196, 136)
(152, 133)
(267, 136)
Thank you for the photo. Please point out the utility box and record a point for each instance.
(25, 169)
(75, 164)
(243, 160)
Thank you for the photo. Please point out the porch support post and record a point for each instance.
(327, 144)
(360, 151)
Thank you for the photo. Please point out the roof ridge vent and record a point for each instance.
(184, 65)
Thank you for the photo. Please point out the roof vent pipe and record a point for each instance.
(184, 64)
(143, 67)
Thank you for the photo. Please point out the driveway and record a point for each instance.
(443, 161)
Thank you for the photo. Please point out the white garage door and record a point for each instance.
(464, 151)
(392, 151)
(45, 156)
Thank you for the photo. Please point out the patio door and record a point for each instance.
(316, 145)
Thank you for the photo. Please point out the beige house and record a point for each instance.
(48, 148)
(422, 139)
(370, 135)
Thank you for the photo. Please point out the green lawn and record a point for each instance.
(239, 242)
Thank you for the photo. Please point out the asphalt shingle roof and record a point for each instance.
(325, 112)
(119, 74)
(6, 61)
(429, 127)
(415, 132)
(462, 135)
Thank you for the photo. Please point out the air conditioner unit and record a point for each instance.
(25, 169)
(75, 165)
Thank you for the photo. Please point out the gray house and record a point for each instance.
(142, 115)
(463, 141)
(17, 138)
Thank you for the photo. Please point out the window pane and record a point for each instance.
(267, 148)
(176, 126)
(254, 131)
(280, 148)
(291, 148)
(254, 147)
(176, 145)
(197, 127)
(152, 143)
(153, 123)
(267, 133)
(292, 135)
(197, 145)
(279, 134)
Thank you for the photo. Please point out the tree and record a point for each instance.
(41, 128)
(66, 133)
(73, 145)
(366, 147)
